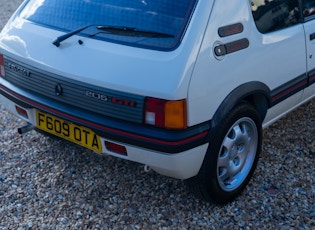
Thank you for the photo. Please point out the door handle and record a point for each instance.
(312, 36)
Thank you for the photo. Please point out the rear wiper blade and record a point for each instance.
(120, 30)
(133, 32)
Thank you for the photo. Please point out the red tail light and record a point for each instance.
(154, 112)
(2, 66)
(166, 114)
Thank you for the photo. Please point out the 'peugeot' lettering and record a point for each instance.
(18, 69)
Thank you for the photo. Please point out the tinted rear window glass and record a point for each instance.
(272, 15)
(162, 16)
(308, 8)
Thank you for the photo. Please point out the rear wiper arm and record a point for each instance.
(68, 35)
(121, 30)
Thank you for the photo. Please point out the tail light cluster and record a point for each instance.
(2, 73)
(166, 114)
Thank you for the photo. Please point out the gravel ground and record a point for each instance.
(52, 184)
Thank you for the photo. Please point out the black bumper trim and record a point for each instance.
(167, 141)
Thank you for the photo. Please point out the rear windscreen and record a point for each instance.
(156, 24)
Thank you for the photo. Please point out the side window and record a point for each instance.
(308, 7)
(272, 15)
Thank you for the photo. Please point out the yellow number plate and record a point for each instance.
(66, 130)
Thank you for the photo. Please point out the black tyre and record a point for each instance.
(232, 156)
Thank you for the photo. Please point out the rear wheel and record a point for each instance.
(232, 156)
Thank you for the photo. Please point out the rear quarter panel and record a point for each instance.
(273, 59)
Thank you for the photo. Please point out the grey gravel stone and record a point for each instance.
(52, 184)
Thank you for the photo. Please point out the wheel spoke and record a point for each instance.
(223, 161)
(227, 176)
(248, 143)
(224, 174)
(228, 144)
(238, 132)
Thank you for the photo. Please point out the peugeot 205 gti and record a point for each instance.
(184, 87)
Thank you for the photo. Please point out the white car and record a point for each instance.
(183, 87)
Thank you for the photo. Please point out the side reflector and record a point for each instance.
(116, 148)
(2, 73)
(21, 111)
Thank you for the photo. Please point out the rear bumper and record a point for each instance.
(175, 153)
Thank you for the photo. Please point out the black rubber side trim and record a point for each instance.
(237, 95)
(288, 89)
(311, 77)
(258, 88)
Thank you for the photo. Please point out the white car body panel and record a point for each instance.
(191, 72)
(243, 66)
(181, 165)
(154, 73)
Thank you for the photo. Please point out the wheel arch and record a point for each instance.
(256, 93)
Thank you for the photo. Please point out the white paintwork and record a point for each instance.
(181, 165)
(273, 59)
(310, 46)
(124, 68)
(190, 72)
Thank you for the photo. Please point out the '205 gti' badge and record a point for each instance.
(114, 100)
